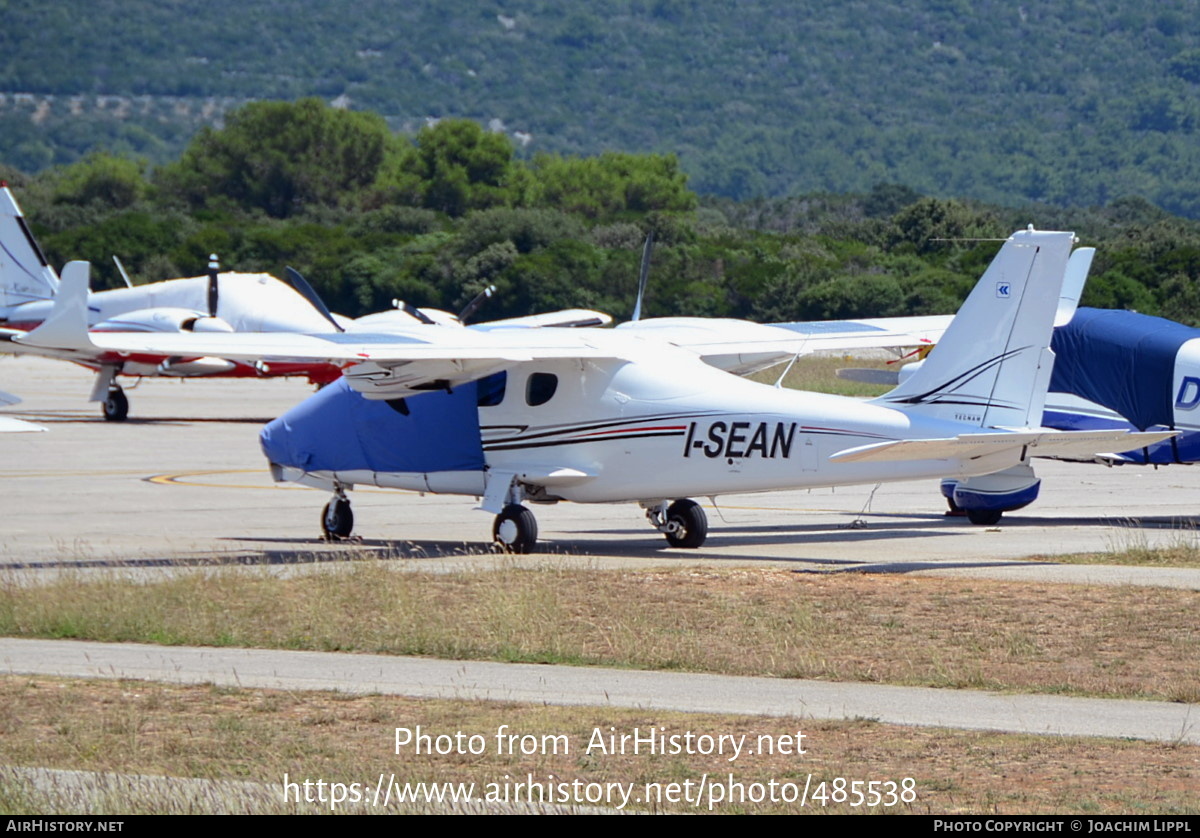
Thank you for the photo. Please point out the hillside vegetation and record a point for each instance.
(370, 217)
(1074, 103)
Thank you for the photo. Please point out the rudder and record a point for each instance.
(992, 367)
(25, 275)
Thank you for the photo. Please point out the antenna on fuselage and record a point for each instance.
(642, 276)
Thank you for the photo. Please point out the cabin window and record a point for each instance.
(540, 388)
(490, 390)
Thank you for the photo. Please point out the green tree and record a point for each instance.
(99, 178)
(282, 157)
(457, 166)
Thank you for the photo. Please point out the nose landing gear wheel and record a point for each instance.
(515, 529)
(116, 405)
(688, 524)
(337, 519)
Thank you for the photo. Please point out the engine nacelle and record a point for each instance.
(163, 319)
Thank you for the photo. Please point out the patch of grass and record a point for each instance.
(183, 732)
(1078, 640)
(818, 373)
(1130, 546)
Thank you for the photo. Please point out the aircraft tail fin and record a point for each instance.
(66, 327)
(992, 367)
(25, 275)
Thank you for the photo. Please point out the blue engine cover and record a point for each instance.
(1122, 360)
(336, 429)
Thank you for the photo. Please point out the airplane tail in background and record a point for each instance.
(25, 275)
(992, 367)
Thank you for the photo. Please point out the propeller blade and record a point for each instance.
(213, 291)
(121, 268)
(645, 272)
(474, 305)
(300, 286)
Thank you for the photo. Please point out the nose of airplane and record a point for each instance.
(337, 429)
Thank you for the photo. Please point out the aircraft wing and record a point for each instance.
(384, 366)
(742, 347)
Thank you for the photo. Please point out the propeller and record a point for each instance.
(644, 274)
(412, 311)
(473, 306)
(214, 267)
(121, 268)
(300, 286)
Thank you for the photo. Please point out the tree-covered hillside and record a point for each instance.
(370, 217)
(1073, 103)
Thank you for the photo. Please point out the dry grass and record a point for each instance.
(258, 735)
(1132, 547)
(818, 373)
(1048, 638)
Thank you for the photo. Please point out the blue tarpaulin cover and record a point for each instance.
(337, 429)
(1122, 360)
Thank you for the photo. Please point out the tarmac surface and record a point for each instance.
(182, 482)
(602, 687)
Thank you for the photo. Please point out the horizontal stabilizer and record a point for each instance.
(66, 327)
(1066, 444)
(1076, 277)
(18, 426)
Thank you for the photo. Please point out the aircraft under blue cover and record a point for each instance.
(1145, 370)
(1113, 370)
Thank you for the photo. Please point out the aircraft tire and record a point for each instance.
(115, 405)
(515, 529)
(984, 517)
(337, 519)
(692, 521)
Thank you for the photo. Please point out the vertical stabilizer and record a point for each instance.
(992, 366)
(25, 275)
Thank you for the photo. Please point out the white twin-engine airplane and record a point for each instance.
(218, 302)
(640, 413)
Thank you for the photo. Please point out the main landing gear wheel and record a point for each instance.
(687, 525)
(116, 405)
(984, 517)
(515, 529)
(337, 519)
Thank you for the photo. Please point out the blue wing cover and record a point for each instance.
(337, 429)
(1122, 360)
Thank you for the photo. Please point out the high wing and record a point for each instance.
(742, 347)
(410, 360)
